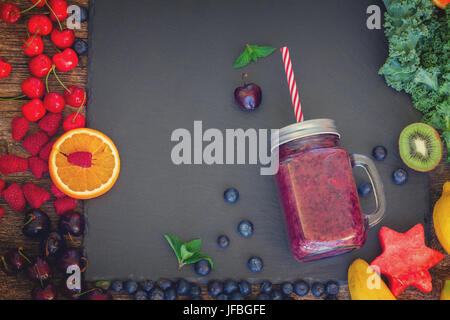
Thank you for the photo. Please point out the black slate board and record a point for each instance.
(159, 65)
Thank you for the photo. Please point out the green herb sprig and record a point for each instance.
(252, 53)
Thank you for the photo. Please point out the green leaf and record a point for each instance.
(194, 245)
(243, 60)
(185, 253)
(175, 243)
(262, 52)
(430, 79)
(196, 257)
(252, 53)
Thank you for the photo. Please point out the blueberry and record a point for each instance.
(148, 285)
(117, 286)
(332, 287)
(263, 296)
(156, 294)
(379, 153)
(317, 289)
(130, 286)
(215, 288)
(245, 228)
(84, 14)
(330, 297)
(255, 264)
(230, 286)
(140, 295)
(183, 287)
(301, 288)
(171, 294)
(245, 288)
(164, 283)
(365, 189)
(222, 296)
(277, 295)
(202, 268)
(196, 290)
(231, 195)
(266, 287)
(223, 241)
(236, 296)
(400, 176)
(80, 47)
(195, 297)
(287, 288)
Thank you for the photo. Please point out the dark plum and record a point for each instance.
(249, 96)
(37, 224)
(69, 257)
(52, 244)
(71, 222)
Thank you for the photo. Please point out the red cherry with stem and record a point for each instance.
(38, 3)
(33, 110)
(5, 68)
(62, 39)
(40, 24)
(40, 65)
(33, 88)
(58, 10)
(33, 46)
(66, 61)
(9, 13)
(46, 293)
(74, 121)
(75, 96)
(54, 102)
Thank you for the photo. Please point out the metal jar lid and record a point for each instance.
(302, 130)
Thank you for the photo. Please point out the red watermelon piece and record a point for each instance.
(406, 259)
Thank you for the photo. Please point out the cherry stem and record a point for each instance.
(47, 252)
(4, 262)
(20, 251)
(80, 108)
(70, 236)
(34, 36)
(30, 220)
(59, 80)
(244, 75)
(86, 264)
(57, 19)
(28, 9)
(39, 275)
(86, 292)
(14, 98)
(46, 79)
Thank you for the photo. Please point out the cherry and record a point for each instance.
(74, 121)
(9, 13)
(54, 102)
(62, 39)
(38, 3)
(40, 66)
(69, 257)
(33, 46)
(40, 24)
(33, 88)
(66, 60)
(71, 222)
(40, 270)
(75, 97)
(52, 244)
(17, 259)
(37, 224)
(6, 266)
(58, 10)
(33, 110)
(99, 294)
(46, 293)
(248, 97)
(5, 68)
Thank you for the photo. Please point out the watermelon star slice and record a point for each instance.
(406, 259)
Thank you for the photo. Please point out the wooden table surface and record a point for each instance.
(11, 38)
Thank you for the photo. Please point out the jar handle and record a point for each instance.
(380, 199)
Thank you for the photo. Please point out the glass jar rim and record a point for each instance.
(303, 129)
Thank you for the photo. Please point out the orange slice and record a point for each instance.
(81, 182)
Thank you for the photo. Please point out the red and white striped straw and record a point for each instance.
(292, 84)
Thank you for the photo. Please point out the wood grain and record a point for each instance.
(11, 37)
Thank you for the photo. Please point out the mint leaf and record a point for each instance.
(185, 253)
(175, 243)
(194, 245)
(252, 53)
(196, 257)
(262, 52)
(243, 60)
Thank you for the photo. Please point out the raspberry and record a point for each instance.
(44, 154)
(11, 164)
(35, 142)
(37, 166)
(36, 196)
(62, 205)
(2, 186)
(19, 126)
(56, 192)
(81, 159)
(2, 212)
(50, 123)
(14, 197)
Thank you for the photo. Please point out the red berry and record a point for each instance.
(40, 24)
(81, 159)
(36, 196)
(50, 123)
(66, 60)
(9, 13)
(40, 4)
(56, 192)
(44, 154)
(5, 68)
(2, 212)
(14, 197)
(11, 164)
(2, 186)
(38, 167)
(33, 88)
(62, 205)
(33, 46)
(19, 126)
(33, 110)
(62, 39)
(59, 7)
(76, 97)
(54, 102)
(74, 121)
(40, 66)
(34, 143)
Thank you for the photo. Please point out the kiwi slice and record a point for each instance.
(420, 147)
